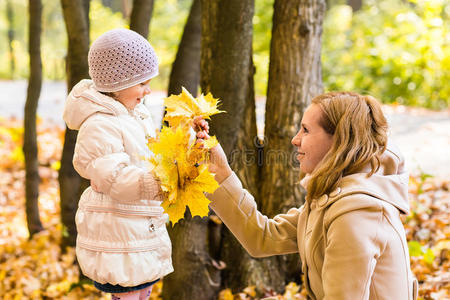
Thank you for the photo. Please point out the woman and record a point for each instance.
(349, 235)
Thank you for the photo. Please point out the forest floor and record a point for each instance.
(37, 269)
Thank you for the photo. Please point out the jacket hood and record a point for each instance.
(85, 100)
(389, 183)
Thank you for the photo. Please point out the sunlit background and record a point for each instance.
(396, 50)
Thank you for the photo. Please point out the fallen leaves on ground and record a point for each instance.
(38, 269)
(428, 234)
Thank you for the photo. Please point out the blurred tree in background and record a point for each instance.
(30, 146)
(396, 50)
(71, 184)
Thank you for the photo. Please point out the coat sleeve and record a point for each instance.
(259, 235)
(100, 157)
(352, 249)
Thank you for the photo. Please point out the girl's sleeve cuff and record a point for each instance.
(149, 187)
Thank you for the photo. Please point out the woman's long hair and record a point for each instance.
(359, 131)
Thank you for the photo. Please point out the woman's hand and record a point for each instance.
(218, 163)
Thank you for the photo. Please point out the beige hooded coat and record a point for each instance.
(351, 242)
(122, 237)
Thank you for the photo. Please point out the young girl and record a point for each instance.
(122, 241)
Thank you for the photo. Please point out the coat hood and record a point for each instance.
(84, 100)
(389, 183)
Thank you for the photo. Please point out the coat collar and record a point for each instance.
(84, 100)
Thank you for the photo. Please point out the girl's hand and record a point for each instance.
(218, 163)
(200, 125)
(201, 128)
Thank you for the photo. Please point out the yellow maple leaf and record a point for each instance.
(211, 142)
(184, 107)
(250, 290)
(192, 196)
(178, 162)
(226, 295)
(208, 105)
(183, 179)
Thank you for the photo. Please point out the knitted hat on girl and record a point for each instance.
(119, 59)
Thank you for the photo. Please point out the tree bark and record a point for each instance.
(10, 19)
(355, 4)
(227, 72)
(246, 160)
(225, 62)
(186, 67)
(197, 273)
(30, 148)
(70, 183)
(294, 78)
(141, 15)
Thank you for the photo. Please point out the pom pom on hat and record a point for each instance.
(121, 58)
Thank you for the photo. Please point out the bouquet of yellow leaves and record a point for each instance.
(181, 164)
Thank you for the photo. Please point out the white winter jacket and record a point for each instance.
(122, 237)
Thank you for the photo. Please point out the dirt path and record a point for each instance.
(424, 138)
(422, 135)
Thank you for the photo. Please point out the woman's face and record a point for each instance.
(132, 96)
(312, 141)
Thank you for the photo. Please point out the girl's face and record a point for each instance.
(312, 141)
(132, 96)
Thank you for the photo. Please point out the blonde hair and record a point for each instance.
(359, 131)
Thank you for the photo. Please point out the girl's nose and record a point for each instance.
(147, 90)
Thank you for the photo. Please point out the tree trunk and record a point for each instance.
(246, 160)
(70, 183)
(186, 67)
(10, 19)
(197, 274)
(125, 6)
(355, 4)
(225, 63)
(30, 148)
(294, 78)
(227, 72)
(141, 15)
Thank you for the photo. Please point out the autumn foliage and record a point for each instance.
(38, 269)
(180, 164)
